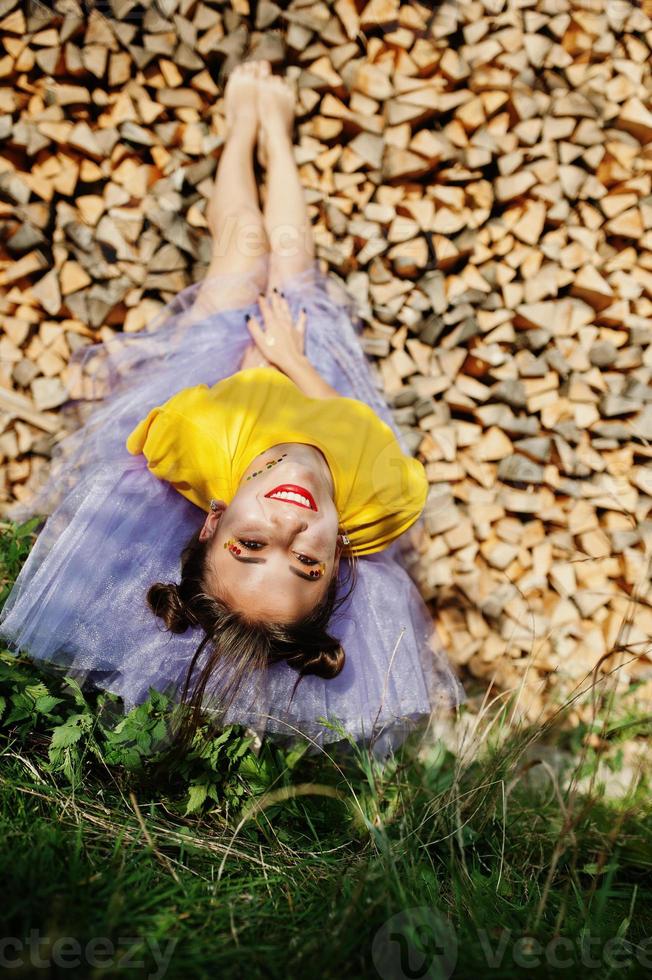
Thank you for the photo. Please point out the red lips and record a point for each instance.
(293, 488)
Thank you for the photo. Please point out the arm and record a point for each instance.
(281, 342)
(308, 379)
(301, 371)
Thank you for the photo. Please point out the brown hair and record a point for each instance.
(234, 646)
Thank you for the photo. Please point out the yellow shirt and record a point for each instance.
(202, 440)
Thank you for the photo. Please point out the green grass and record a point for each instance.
(233, 862)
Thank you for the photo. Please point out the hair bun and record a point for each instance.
(326, 663)
(164, 601)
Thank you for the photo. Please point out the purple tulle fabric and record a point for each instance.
(113, 529)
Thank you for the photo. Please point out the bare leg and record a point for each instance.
(288, 226)
(239, 240)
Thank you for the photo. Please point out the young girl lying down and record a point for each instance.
(223, 525)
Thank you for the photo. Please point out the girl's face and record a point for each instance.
(281, 525)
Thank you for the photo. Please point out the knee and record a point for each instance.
(285, 267)
(240, 227)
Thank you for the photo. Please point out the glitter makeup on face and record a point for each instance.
(268, 466)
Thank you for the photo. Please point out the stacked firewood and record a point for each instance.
(479, 174)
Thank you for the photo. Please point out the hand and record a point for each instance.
(280, 341)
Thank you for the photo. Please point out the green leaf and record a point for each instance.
(213, 792)
(21, 708)
(23, 530)
(144, 742)
(591, 868)
(240, 749)
(76, 692)
(222, 738)
(46, 703)
(160, 729)
(65, 735)
(8, 669)
(38, 690)
(296, 753)
(197, 794)
(131, 758)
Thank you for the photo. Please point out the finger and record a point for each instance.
(264, 339)
(285, 306)
(256, 331)
(266, 310)
(275, 304)
(282, 307)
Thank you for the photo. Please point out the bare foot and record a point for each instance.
(241, 101)
(276, 108)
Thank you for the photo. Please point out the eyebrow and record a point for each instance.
(261, 561)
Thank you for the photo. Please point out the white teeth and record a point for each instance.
(291, 495)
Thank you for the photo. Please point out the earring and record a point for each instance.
(214, 504)
(232, 545)
(344, 538)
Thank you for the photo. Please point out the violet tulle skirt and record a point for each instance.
(112, 529)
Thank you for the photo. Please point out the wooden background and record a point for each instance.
(479, 173)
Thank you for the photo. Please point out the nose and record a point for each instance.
(286, 518)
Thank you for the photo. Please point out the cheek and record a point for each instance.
(334, 521)
(326, 537)
(241, 508)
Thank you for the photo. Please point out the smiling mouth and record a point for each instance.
(292, 494)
